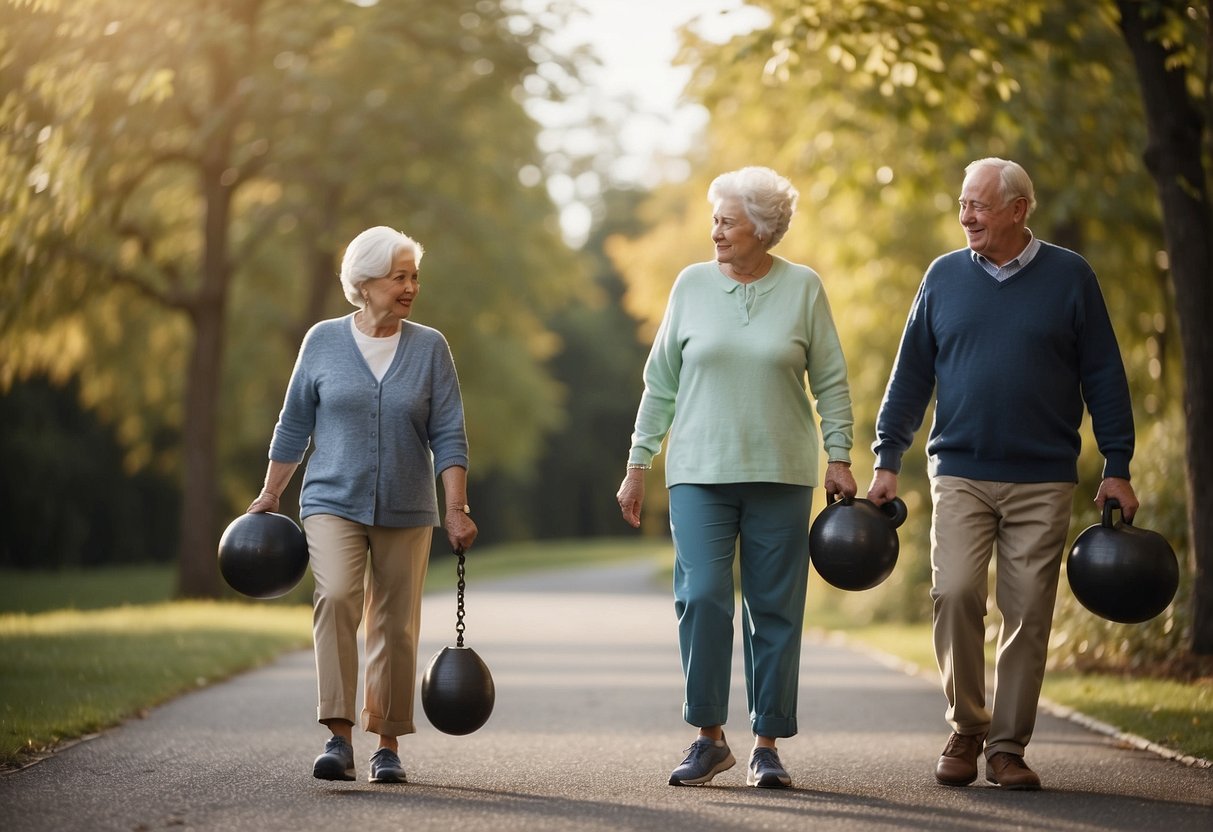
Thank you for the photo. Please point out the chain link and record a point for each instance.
(459, 626)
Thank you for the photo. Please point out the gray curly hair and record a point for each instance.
(769, 199)
(369, 256)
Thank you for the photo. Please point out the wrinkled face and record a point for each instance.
(994, 227)
(733, 233)
(393, 294)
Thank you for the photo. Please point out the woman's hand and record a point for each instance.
(461, 530)
(265, 501)
(631, 496)
(839, 481)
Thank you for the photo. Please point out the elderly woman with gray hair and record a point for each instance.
(379, 397)
(726, 380)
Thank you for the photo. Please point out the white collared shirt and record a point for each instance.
(1001, 273)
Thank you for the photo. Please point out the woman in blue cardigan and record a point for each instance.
(378, 397)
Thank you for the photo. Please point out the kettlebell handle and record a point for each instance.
(1110, 505)
(894, 510)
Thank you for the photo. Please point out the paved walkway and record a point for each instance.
(586, 728)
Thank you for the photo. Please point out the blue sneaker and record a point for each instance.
(337, 761)
(765, 771)
(705, 759)
(386, 768)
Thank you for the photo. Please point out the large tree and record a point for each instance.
(160, 157)
(1171, 47)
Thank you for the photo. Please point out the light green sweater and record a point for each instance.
(726, 380)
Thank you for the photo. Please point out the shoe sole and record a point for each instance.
(389, 778)
(326, 771)
(1015, 787)
(724, 765)
(768, 781)
(955, 783)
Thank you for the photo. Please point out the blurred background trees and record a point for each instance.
(177, 181)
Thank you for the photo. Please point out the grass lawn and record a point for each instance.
(84, 650)
(70, 673)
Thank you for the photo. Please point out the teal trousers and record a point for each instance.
(765, 526)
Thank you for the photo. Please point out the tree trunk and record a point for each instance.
(1173, 157)
(198, 574)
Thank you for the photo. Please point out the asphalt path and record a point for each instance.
(586, 729)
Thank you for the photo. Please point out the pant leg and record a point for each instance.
(399, 559)
(337, 549)
(964, 523)
(774, 580)
(1031, 541)
(703, 523)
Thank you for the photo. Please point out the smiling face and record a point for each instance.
(734, 234)
(993, 225)
(392, 296)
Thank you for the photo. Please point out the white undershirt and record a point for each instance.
(378, 352)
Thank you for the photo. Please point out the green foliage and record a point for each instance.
(153, 150)
(66, 498)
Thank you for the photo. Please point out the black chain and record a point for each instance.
(459, 627)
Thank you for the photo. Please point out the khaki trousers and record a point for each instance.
(378, 571)
(1026, 525)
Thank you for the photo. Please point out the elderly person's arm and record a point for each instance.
(277, 475)
(461, 531)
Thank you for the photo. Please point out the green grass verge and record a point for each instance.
(70, 673)
(1175, 715)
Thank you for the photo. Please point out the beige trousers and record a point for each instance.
(1024, 525)
(380, 572)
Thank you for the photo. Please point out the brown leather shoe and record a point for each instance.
(1011, 772)
(957, 765)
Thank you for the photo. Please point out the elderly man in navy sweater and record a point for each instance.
(1012, 336)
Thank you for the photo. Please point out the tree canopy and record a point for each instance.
(179, 179)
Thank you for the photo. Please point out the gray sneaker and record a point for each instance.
(337, 761)
(705, 759)
(386, 768)
(765, 771)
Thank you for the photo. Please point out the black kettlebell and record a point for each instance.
(1120, 572)
(262, 555)
(853, 542)
(457, 691)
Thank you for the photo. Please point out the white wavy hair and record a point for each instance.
(369, 256)
(769, 200)
(1013, 180)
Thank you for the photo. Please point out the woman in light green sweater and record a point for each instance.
(725, 382)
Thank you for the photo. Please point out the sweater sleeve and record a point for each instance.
(910, 386)
(827, 368)
(661, 371)
(297, 419)
(1105, 388)
(448, 437)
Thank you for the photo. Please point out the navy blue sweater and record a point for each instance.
(1011, 365)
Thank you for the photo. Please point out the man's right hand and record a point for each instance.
(883, 487)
